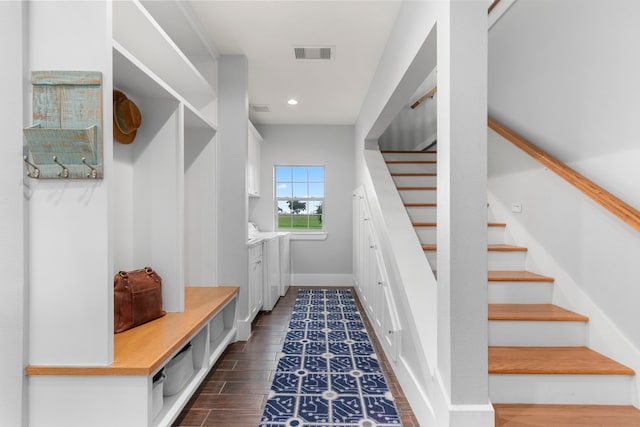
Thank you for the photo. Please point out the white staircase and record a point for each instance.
(538, 352)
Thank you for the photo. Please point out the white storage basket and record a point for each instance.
(178, 371)
(157, 401)
(216, 327)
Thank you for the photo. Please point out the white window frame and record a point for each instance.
(301, 233)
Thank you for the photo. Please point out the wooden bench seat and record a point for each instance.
(142, 350)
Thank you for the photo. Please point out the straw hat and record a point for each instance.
(126, 118)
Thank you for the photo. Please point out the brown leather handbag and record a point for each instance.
(137, 298)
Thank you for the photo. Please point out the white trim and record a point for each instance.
(243, 328)
(302, 235)
(415, 393)
(321, 280)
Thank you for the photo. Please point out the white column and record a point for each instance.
(70, 253)
(462, 206)
(13, 330)
(233, 133)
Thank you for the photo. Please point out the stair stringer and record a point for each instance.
(415, 291)
(602, 334)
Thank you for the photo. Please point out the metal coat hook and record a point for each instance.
(36, 171)
(93, 173)
(65, 171)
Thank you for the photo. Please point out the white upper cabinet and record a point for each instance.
(253, 167)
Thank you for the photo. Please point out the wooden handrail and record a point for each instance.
(429, 94)
(493, 5)
(613, 204)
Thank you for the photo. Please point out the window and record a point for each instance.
(299, 198)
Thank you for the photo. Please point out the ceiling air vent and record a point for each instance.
(326, 53)
(259, 108)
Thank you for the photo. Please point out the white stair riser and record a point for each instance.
(495, 235)
(422, 214)
(410, 156)
(412, 167)
(497, 260)
(520, 292)
(507, 260)
(428, 235)
(416, 181)
(561, 389)
(537, 333)
(418, 196)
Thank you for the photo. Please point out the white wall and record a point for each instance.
(565, 75)
(13, 292)
(332, 146)
(414, 129)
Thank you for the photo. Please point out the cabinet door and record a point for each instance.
(390, 328)
(255, 279)
(377, 293)
(253, 169)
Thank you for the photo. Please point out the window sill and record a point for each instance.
(302, 235)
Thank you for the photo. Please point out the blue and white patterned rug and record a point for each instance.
(328, 374)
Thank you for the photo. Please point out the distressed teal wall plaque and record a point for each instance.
(65, 141)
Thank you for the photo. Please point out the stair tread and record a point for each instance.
(418, 205)
(517, 276)
(533, 312)
(553, 360)
(416, 188)
(398, 162)
(433, 224)
(491, 248)
(565, 415)
(413, 174)
(408, 151)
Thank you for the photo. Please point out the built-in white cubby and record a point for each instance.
(160, 211)
(164, 204)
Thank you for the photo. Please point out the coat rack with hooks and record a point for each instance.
(65, 141)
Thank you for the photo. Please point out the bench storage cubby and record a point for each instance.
(125, 393)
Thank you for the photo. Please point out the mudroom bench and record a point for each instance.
(129, 392)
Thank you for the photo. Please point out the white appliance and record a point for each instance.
(285, 262)
(276, 263)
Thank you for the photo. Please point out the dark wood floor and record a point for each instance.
(235, 391)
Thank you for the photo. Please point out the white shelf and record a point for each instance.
(195, 120)
(132, 76)
(137, 31)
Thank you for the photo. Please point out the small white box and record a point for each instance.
(178, 371)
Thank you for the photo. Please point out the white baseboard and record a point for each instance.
(243, 332)
(432, 407)
(322, 280)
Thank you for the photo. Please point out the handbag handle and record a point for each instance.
(125, 275)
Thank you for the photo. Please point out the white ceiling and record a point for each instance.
(329, 92)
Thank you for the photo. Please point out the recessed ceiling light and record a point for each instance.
(292, 101)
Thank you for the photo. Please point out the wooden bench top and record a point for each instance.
(142, 350)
